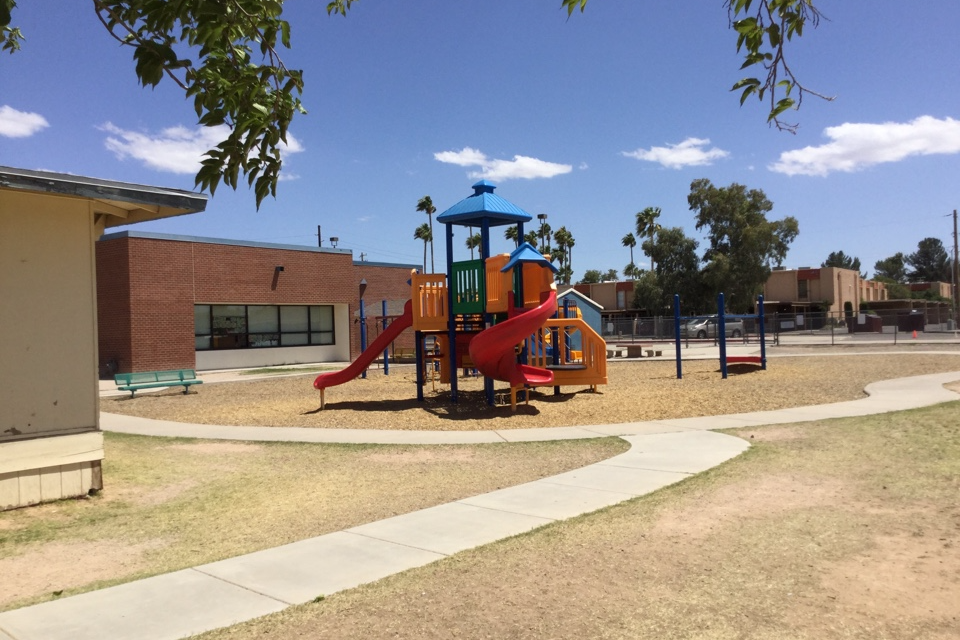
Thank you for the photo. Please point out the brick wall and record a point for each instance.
(113, 307)
(383, 283)
(147, 288)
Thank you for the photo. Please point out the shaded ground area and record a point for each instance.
(641, 390)
(839, 529)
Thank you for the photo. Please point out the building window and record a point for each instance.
(802, 293)
(222, 326)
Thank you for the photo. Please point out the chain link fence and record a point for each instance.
(802, 328)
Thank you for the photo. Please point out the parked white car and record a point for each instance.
(706, 327)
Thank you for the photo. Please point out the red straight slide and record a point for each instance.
(363, 361)
(492, 350)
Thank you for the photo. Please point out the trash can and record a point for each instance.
(909, 321)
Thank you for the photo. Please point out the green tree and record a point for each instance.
(424, 233)
(648, 295)
(591, 276)
(893, 269)
(473, 242)
(224, 54)
(629, 241)
(425, 205)
(678, 269)
(647, 227)
(743, 243)
(631, 271)
(531, 238)
(841, 260)
(930, 262)
(611, 276)
(895, 290)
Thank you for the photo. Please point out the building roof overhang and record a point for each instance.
(119, 202)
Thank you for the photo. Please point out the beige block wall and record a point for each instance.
(781, 285)
(48, 381)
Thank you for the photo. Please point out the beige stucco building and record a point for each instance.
(827, 288)
(51, 446)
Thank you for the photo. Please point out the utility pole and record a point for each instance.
(319, 237)
(956, 276)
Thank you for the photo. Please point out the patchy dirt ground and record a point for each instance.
(169, 504)
(838, 530)
(638, 390)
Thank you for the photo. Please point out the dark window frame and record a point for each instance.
(316, 337)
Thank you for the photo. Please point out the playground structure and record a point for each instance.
(721, 333)
(497, 314)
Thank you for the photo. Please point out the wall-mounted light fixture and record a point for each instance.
(334, 240)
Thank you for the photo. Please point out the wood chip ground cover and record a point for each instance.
(642, 390)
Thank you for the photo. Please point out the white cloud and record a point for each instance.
(689, 153)
(855, 146)
(492, 169)
(175, 149)
(20, 124)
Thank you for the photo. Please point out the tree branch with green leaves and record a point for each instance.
(224, 55)
(764, 27)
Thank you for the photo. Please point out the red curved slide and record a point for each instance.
(492, 350)
(363, 361)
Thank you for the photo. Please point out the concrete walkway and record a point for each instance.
(230, 591)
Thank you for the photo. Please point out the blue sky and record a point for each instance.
(588, 120)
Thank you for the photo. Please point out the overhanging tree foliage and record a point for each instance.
(224, 54)
(763, 28)
(743, 243)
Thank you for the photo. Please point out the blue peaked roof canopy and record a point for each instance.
(484, 204)
(526, 253)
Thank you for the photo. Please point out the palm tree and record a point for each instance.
(564, 251)
(531, 238)
(424, 233)
(511, 233)
(425, 204)
(630, 241)
(473, 241)
(545, 233)
(647, 225)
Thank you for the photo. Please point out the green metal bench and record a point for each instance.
(151, 379)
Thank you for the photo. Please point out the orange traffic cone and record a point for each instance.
(914, 334)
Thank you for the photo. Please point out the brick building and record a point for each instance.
(170, 302)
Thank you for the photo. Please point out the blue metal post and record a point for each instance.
(676, 332)
(487, 318)
(722, 335)
(386, 349)
(763, 339)
(451, 320)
